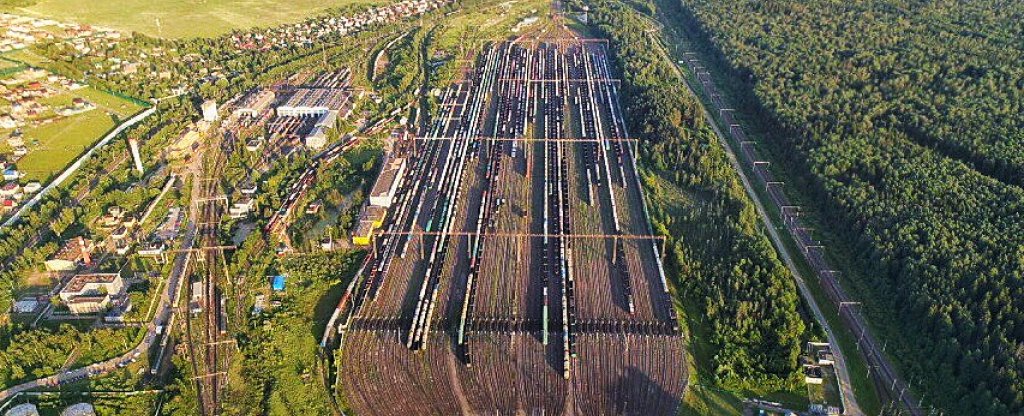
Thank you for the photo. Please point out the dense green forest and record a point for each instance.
(907, 118)
(34, 353)
(721, 262)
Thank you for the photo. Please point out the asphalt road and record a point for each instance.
(163, 313)
(71, 169)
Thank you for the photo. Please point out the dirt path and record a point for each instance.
(453, 377)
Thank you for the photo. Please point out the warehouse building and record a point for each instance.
(383, 192)
(314, 102)
(363, 233)
(375, 215)
(317, 138)
(255, 104)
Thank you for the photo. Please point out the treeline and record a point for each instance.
(277, 369)
(34, 353)
(724, 265)
(907, 117)
(402, 73)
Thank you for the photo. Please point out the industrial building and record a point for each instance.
(90, 293)
(383, 192)
(76, 252)
(362, 235)
(317, 138)
(375, 215)
(381, 196)
(371, 218)
(309, 111)
(256, 103)
(314, 102)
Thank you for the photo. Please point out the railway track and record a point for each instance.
(209, 355)
(488, 288)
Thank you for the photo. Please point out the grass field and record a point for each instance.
(704, 397)
(53, 146)
(27, 57)
(183, 18)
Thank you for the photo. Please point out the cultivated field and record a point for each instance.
(183, 18)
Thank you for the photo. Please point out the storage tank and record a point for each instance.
(79, 409)
(25, 409)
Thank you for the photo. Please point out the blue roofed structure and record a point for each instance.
(278, 284)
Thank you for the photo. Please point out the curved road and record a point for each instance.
(77, 164)
(161, 316)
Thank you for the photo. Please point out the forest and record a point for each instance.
(721, 262)
(906, 117)
(34, 353)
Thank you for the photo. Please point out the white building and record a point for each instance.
(254, 104)
(153, 249)
(384, 189)
(241, 207)
(90, 293)
(317, 138)
(210, 110)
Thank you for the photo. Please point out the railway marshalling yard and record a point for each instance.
(516, 273)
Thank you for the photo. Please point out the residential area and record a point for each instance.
(47, 119)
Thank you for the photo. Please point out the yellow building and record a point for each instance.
(363, 233)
